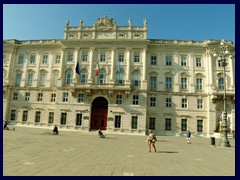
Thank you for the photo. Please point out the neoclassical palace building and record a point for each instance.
(113, 78)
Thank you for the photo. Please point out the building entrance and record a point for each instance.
(99, 113)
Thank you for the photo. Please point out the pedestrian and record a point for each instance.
(188, 137)
(100, 134)
(151, 140)
(5, 125)
(55, 130)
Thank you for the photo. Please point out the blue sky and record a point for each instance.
(179, 21)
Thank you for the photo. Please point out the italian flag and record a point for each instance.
(96, 71)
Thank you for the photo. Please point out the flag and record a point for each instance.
(77, 69)
(96, 71)
(119, 69)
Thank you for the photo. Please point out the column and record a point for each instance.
(144, 59)
(113, 64)
(232, 71)
(59, 84)
(144, 68)
(49, 75)
(24, 75)
(38, 61)
(91, 56)
(76, 57)
(191, 84)
(209, 72)
(128, 57)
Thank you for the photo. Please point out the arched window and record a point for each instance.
(221, 83)
(68, 76)
(83, 76)
(42, 77)
(55, 78)
(102, 76)
(136, 76)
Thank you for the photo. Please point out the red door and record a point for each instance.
(99, 118)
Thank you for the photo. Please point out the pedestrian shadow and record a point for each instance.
(107, 137)
(47, 133)
(162, 140)
(166, 152)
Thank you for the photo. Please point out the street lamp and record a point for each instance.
(222, 53)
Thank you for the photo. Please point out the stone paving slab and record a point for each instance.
(36, 152)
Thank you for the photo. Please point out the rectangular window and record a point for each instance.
(65, 97)
(169, 102)
(117, 123)
(40, 96)
(136, 83)
(119, 99)
(30, 79)
(50, 117)
(15, 96)
(25, 116)
(18, 79)
(184, 103)
(27, 96)
(136, 57)
(37, 116)
(184, 125)
(198, 62)
(153, 60)
(135, 99)
(70, 56)
(20, 59)
(199, 84)
(53, 97)
(102, 57)
(32, 58)
(79, 119)
(168, 60)
(134, 122)
(199, 103)
(199, 125)
(45, 59)
(183, 61)
(80, 97)
(42, 79)
(84, 56)
(152, 101)
(168, 83)
(168, 124)
(152, 123)
(83, 78)
(13, 115)
(153, 83)
(58, 58)
(63, 118)
(120, 57)
(184, 83)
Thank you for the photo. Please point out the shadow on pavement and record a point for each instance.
(166, 152)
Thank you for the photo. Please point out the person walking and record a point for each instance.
(188, 137)
(151, 140)
(100, 134)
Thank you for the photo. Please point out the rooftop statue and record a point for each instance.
(105, 22)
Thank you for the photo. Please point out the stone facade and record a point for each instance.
(166, 85)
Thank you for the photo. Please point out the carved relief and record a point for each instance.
(105, 23)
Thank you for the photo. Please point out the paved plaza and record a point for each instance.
(36, 152)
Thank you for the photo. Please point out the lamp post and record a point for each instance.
(222, 53)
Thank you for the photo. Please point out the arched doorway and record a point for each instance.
(99, 113)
